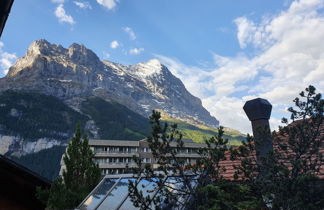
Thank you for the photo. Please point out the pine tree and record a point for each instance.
(79, 178)
(292, 180)
(181, 191)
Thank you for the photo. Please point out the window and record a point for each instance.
(146, 160)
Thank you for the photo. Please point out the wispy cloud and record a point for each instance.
(136, 51)
(130, 33)
(6, 60)
(110, 4)
(62, 16)
(83, 4)
(289, 56)
(114, 44)
(58, 1)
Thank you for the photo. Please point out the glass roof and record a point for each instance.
(112, 193)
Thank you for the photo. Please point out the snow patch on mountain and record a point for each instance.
(146, 69)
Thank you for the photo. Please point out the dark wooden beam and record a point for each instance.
(5, 6)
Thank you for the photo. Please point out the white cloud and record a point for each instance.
(6, 60)
(136, 51)
(110, 4)
(83, 4)
(290, 56)
(229, 111)
(62, 16)
(114, 44)
(130, 33)
(58, 1)
(245, 27)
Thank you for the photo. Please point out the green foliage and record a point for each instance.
(57, 195)
(303, 192)
(79, 178)
(34, 115)
(290, 180)
(304, 137)
(160, 141)
(81, 174)
(300, 155)
(227, 196)
(165, 143)
(45, 162)
(116, 121)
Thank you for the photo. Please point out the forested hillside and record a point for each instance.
(115, 121)
(32, 116)
(45, 162)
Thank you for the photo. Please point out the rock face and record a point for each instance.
(16, 146)
(76, 73)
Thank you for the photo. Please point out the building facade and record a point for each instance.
(116, 156)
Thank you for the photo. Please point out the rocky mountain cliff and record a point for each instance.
(76, 73)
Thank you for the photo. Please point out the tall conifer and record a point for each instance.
(80, 175)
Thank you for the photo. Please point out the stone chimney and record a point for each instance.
(258, 111)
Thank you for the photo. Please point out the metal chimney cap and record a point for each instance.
(258, 109)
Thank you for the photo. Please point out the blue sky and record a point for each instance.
(225, 51)
(187, 30)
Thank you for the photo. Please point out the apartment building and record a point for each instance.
(116, 156)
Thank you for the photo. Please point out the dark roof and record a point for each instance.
(27, 173)
(5, 6)
(102, 142)
(18, 183)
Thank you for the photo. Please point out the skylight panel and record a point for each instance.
(117, 195)
(98, 194)
(148, 187)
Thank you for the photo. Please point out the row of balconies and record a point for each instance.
(129, 150)
(110, 153)
(125, 167)
(113, 163)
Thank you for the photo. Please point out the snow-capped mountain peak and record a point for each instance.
(148, 68)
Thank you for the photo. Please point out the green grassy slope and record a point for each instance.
(199, 132)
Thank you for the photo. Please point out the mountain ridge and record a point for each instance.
(75, 73)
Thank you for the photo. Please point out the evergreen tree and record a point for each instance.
(291, 181)
(80, 176)
(192, 184)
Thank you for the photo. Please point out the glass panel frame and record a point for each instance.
(98, 194)
(116, 196)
